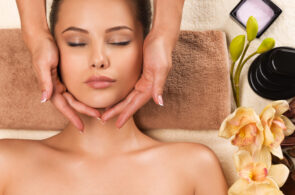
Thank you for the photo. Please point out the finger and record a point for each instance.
(143, 88)
(158, 85)
(137, 102)
(115, 110)
(111, 106)
(80, 107)
(61, 104)
(44, 74)
(58, 86)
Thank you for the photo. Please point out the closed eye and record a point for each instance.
(83, 44)
(76, 44)
(121, 43)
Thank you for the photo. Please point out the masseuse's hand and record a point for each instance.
(45, 60)
(157, 62)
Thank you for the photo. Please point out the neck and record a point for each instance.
(102, 139)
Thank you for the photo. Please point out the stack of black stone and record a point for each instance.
(272, 74)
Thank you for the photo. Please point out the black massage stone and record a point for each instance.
(272, 74)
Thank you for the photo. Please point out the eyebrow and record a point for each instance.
(116, 28)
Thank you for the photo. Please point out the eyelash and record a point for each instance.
(76, 44)
(83, 44)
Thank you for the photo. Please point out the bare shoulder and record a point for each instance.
(202, 166)
(6, 158)
(12, 149)
(194, 155)
(190, 156)
(11, 153)
(197, 153)
(8, 151)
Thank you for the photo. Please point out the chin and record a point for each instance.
(100, 100)
(98, 103)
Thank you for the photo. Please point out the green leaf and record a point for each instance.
(267, 44)
(252, 28)
(236, 47)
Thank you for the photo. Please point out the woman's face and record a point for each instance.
(104, 33)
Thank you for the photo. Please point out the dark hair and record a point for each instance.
(142, 8)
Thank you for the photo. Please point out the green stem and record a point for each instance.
(241, 59)
(232, 81)
(237, 77)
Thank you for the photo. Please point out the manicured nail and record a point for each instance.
(160, 100)
(44, 97)
(101, 121)
(119, 125)
(80, 127)
(81, 131)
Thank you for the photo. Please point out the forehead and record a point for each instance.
(96, 13)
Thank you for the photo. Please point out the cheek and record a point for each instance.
(129, 70)
(70, 67)
(130, 64)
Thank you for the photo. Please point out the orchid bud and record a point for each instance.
(236, 47)
(252, 28)
(267, 44)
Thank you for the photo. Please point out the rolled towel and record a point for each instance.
(20, 95)
(196, 94)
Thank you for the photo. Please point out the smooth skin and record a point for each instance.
(158, 47)
(33, 167)
(104, 160)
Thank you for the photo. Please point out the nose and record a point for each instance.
(99, 58)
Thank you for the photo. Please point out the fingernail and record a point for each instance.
(44, 97)
(160, 100)
(118, 125)
(101, 121)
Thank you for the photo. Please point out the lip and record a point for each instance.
(99, 82)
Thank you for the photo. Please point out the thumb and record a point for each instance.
(46, 83)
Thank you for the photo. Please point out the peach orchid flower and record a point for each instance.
(245, 127)
(276, 126)
(257, 175)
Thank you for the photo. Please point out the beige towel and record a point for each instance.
(20, 96)
(196, 94)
